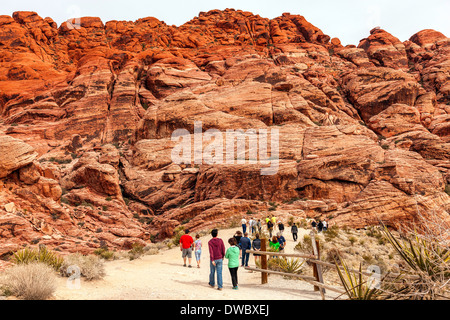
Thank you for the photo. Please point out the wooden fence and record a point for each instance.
(315, 262)
(313, 259)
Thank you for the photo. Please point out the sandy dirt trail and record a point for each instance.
(163, 277)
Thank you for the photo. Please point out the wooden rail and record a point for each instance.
(316, 280)
(311, 259)
(281, 254)
(311, 280)
(314, 259)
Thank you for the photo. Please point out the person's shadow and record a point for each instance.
(173, 264)
(300, 294)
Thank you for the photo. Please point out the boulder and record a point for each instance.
(14, 155)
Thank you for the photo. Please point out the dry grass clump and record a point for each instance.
(91, 266)
(31, 281)
(137, 250)
(105, 253)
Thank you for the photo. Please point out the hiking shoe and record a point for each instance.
(190, 266)
(235, 288)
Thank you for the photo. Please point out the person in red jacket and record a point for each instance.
(216, 254)
(186, 244)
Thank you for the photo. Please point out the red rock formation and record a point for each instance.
(87, 113)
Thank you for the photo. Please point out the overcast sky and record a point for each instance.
(349, 20)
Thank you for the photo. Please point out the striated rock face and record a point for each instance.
(88, 112)
(14, 155)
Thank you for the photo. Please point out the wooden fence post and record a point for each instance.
(317, 268)
(263, 262)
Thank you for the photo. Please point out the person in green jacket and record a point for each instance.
(232, 255)
(274, 245)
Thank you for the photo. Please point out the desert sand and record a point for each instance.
(163, 277)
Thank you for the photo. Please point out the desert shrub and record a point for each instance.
(374, 232)
(91, 266)
(332, 233)
(136, 251)
(447, 189)
(352, 240)
(305, 245)
(303, 224)
(104, 253)
(42, 255)
(368, 258)
(291, 265)
(178, 233)
(273, 206)
(264, 234)
(333, 255)
(290, 221)
(151, 250)
(30, 281)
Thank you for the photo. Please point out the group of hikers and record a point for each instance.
(319, 225)
(239, 245)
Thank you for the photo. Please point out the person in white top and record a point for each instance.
(325, 225)
(244, 225)
(251, 225)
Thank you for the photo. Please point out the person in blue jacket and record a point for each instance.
(245, 244)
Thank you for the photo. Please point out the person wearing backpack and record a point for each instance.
(256, 246)
(320, 226)
(270, 228)
(245, 244)
(294, 231)
(280, 227)
(314, 224)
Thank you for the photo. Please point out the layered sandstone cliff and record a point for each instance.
(87, 113)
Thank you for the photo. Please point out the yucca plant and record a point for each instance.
(355, 285)
(24, 256)
(50, 258)
(428, 260)
(42, 255)
(421, 254)
(291, 265)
